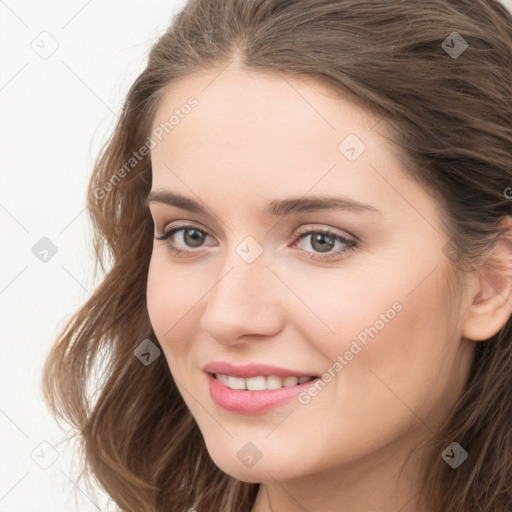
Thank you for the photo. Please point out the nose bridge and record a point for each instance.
(244, 269)
(240, 284)
(241, 300)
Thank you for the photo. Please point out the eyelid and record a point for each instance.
(167, 231)
(186, 224)
(300, 231)
(335, 231)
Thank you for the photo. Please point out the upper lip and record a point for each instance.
(252, 370)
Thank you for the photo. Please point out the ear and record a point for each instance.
(491, 290)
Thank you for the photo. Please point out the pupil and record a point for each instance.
(195, 238)
(323, 247)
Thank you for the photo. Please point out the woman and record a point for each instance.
(308, 299)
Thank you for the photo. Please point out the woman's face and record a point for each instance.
(353, 290)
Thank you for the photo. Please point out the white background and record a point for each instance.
(55, 114)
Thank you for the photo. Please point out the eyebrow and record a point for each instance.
(276, 208)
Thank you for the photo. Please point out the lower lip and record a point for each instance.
(252, 402)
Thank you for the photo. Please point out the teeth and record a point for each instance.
(273, 382)
(290, 381)
(223, 378)
(236, 382)
(255, 383)
(261, 382)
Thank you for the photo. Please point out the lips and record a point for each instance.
(254, 388)
(253, 370)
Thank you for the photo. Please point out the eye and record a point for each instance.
(323, 241)
(192, 237)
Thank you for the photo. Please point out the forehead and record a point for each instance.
(247, 100)
(270, 135)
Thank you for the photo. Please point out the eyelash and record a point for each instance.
(350, 244)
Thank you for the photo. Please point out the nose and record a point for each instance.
(243, 303)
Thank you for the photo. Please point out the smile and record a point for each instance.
(261, 382)
(255, 395)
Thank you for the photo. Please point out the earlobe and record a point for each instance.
(491, 301)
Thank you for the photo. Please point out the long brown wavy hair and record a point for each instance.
(451, 117)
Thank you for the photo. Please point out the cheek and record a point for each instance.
(339, 306)
(158, 296)
(171, 296)
(395, 338)
(406, 363)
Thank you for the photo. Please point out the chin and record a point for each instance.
(264, 469)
